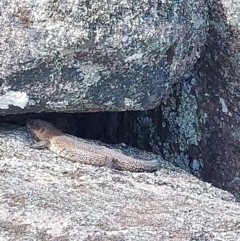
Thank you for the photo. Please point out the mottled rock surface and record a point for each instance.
(197, 128)
(95, 55)
(44, 197)
(218, 98)
(200, 122)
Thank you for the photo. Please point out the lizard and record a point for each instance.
(75, 149)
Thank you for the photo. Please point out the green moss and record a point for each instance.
(180, 112)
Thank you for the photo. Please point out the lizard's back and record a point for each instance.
(77, 150)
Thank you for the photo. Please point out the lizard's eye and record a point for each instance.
(41, 130)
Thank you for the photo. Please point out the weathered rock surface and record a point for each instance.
(198, 128)
(200, 121)
(218, 98)
(44, 197)
(95, 55)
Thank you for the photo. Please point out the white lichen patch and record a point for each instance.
(130, 104)
(224, 106)
(15, 98)
(134, 57)
(236, 134)
(91, 74)
(57, 104)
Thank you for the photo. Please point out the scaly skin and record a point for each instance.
(76, 150)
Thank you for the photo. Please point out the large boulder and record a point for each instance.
(95, 55)
(45, 197)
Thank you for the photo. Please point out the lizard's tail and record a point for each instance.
(135, 165)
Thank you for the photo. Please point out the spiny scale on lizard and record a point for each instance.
(76, 150)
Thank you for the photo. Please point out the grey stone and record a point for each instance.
(44, 197)
(95, 55)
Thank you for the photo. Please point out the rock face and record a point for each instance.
(201, 117)
(70, 56)
(44, 197)
(218, 98)
(95, 55)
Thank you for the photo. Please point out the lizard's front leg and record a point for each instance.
(40, 144)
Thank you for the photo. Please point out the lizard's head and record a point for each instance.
(42, 130)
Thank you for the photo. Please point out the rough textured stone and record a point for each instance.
(95, 55)
(197, 128)
(218, 98)
(200, 120)
(44, 197)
